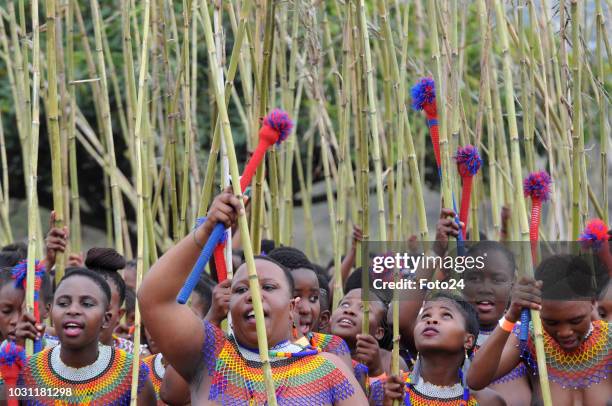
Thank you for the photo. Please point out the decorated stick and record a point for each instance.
(536, 186)
(468, 164)
(19, 273)
(12, 359)
(276, 128)
(424, 98)
(595, 236)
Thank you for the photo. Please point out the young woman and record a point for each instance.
(226, 369)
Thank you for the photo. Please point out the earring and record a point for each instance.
(294, 331)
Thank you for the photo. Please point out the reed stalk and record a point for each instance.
(140, 214)
(242, 221)
(4, 189)
(441, 104)
(519, 202)
(75, 215)
(54, 131)
(33, 168)
(603, 135)
(262, 106)
(373, 119)
(108, 132)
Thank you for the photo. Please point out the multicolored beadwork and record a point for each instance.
(109, 384)
(310, 380)
(415, 398)
(518, 372)
(587, 365)
(328, 343)
(156, 373)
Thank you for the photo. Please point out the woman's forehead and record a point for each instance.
(265, 269)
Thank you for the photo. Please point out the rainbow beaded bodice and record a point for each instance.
(236, 380)
(156, 373)
(587, 365)
(106, 382)
(328, 343)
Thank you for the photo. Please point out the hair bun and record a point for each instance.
(107, 259)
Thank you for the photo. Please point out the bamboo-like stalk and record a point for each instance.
(140, 215)
(33, 168)
(75, 223)
(110, 143)
(519, 201)
(485, 30)
(54, 131)
(4, 190)
(372, 101)
(444, 147)
(603, 135)
(362, 152)
(188, 129)
(577, 136)
(242, 221)
(263, 88)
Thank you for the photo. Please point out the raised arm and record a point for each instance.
(176, 329)
(412, 300)
(500, 354)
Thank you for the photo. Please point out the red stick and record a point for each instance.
(534, 227)
(435, 140)
(220, 262)
(464, 212)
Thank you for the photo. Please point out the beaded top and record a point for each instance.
(156, 373)
(105, 382)
(328, 343)
(236, 380)
(587, 365)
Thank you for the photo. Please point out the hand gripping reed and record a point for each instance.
(275, 129)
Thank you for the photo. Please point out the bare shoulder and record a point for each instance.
(488, 397)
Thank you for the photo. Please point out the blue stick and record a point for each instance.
(215, 238)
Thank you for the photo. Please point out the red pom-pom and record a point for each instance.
(11, 354)
(595, 232)
(279, 122)
(468, 160)
(537, 185)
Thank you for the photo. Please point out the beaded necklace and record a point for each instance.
(156, 371)
(328, 343)
(106, 381)
(587, 365)
(236, 378)
(423, 393)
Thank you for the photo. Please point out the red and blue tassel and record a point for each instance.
(468, 163)
(277, 126)
(537, 186)
(595, 236)
(12, 360)
(19, 273)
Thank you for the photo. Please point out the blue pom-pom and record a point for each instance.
(468, 160)
(279, 120)
(11, 354)
(423, 93)
(19, 272)
(537, 185)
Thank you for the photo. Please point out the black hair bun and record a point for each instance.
(107, 259)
